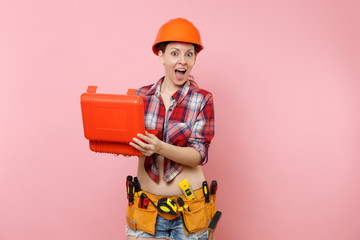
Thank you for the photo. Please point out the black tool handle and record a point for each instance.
(137, 185)
(128, 180)
(214, 221)
(131, 193)
(180, 201)
(206, 192)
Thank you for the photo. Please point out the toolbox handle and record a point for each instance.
(131, 92)
(91, 89)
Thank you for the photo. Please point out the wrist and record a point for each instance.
(162, 147)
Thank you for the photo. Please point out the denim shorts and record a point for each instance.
(169, 229)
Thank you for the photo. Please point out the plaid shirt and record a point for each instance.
(189, 122)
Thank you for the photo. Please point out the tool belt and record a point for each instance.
(196, 214)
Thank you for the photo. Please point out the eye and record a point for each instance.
(189, 54)
(174, 53)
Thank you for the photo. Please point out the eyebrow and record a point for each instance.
(190, 49)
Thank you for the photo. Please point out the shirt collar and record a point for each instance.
(181, 93)
(155, 89)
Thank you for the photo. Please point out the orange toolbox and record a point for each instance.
(111, 121)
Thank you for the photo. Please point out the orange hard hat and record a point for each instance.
(178, 30)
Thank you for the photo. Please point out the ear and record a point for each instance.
(161, 57)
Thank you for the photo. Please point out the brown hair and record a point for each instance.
(162, 46)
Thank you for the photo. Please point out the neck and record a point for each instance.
(168, 87)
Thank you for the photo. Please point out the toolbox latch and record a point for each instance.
(131, 92)
(91, 89)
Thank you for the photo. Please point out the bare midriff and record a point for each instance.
(194, 175)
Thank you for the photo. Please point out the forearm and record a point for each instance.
(184, 155)
(150, 144)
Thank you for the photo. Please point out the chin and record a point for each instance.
(180, 83)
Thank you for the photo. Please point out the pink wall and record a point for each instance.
(285, 77)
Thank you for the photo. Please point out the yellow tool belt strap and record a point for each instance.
(198, 218)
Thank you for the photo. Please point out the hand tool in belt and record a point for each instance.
(128, 180)
(137, 187)
(180, 201)
(213, 224)
(144, 201)
(131, 193)
(213, 187)
(213, 190)
(206, 191)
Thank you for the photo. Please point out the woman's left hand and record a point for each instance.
(149, 145)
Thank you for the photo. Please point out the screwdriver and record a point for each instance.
(137, 186)
(128, 180)
(213, 187)
(205, 188)
(144, 201)
(131, 193)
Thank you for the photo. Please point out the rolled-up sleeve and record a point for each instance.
(203, 129)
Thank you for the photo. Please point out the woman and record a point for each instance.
(183, 115)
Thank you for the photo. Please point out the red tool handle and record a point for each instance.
(213, 187)
(146, 203)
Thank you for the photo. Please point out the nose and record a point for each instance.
(182, 59)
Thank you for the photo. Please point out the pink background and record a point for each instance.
(285, 78)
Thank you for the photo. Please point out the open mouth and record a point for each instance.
(180, 73)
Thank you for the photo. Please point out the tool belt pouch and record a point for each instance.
(197, 219)
(141, 219)
(200, 215)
